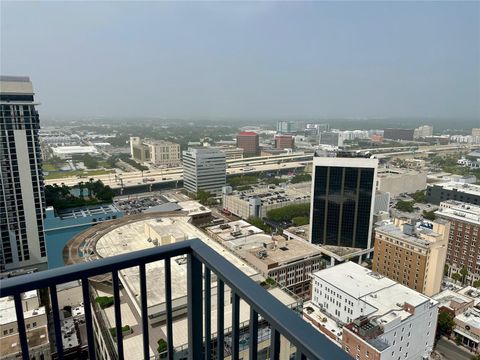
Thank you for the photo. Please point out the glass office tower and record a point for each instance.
(343, 193)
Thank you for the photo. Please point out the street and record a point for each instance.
(450, 351)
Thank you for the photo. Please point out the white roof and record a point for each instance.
(354, 279)
(74, 149)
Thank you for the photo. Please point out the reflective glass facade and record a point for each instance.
(342, 204)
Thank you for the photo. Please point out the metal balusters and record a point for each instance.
(143, 302)
(118, 314)
(235, 325)
(275, 344)
(208, 315)
(168, 307)
(220, 319)
(56, 321)
(195, 317)
(22, 332)
(253, 334)
(88, 318)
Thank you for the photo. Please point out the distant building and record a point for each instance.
(231, 152)
(423, 132)
(67, 152)
(382, 202)
(63, 225)
(398, 134)
(398, 181)
(331, 138)
(412, 254)
(284, 142)
(467, 193)
(158, 152)
(371, 316)
(249, 141)
(376, 138)
(463, 248)
(22, 198)
(343, 195)
(260, 200)
(204, 169)
(284, 127)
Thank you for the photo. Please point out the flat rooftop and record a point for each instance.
(10, 345)
(354, 279)
(131, 237)
(7, 308)
(74, 149)
(471, 317)
(449, 298)
(81, 212)
(418, 238)
(459, 211)
(273, 194)
(193, 207)
(233, 230)
(285, 251)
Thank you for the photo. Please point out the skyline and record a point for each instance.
(299, 60)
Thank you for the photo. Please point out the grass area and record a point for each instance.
(113, 331)
(104, 301)
(66, 174)
(49, 167)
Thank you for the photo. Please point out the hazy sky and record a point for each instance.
(288, 59)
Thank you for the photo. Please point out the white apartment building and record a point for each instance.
(381, 318)
(204, 169)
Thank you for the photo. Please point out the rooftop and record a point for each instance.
(86, 211)
(471, 317)
(7, 307)
(10, 345)
(354, 279)
(132, 237)
(273, 194)
(239, 229)
(74, 149)
(284, 251)
(248, 133)
(193, 207)
(459, 211)
(420, 236)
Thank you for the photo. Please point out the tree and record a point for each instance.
(445, 323)
(162, 346)
(204, 197)
(419, 196)
(89, 161)
(458, 340)
(456, 277)
(445, 270)
(464, 273)
(256, 221)
(429, 215)
(476, 284)
(406, 206)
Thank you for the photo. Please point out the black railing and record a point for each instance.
(202, 262)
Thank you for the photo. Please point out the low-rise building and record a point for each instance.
(284, 142)
(412, 253)
(398, 181)
(467, 193)
(260, 200)
(66, 152)
(463, 238)
(35, 320)
(375, 317)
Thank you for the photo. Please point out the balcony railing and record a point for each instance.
(202, 263)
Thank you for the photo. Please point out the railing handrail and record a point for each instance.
(44, 279)
(309, 341)
(312, 343)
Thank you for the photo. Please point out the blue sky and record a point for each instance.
(247, 59)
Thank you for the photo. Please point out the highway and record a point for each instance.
(239, 166)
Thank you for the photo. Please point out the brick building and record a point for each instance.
(249, 142)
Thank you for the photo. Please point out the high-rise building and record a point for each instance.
(343, 195)
(249, 142)
(284, 142)
(284, 127)
(204, 169)
(331, 138)
(412, 254)
(22, 200)
(463, 241)
(398, 134)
